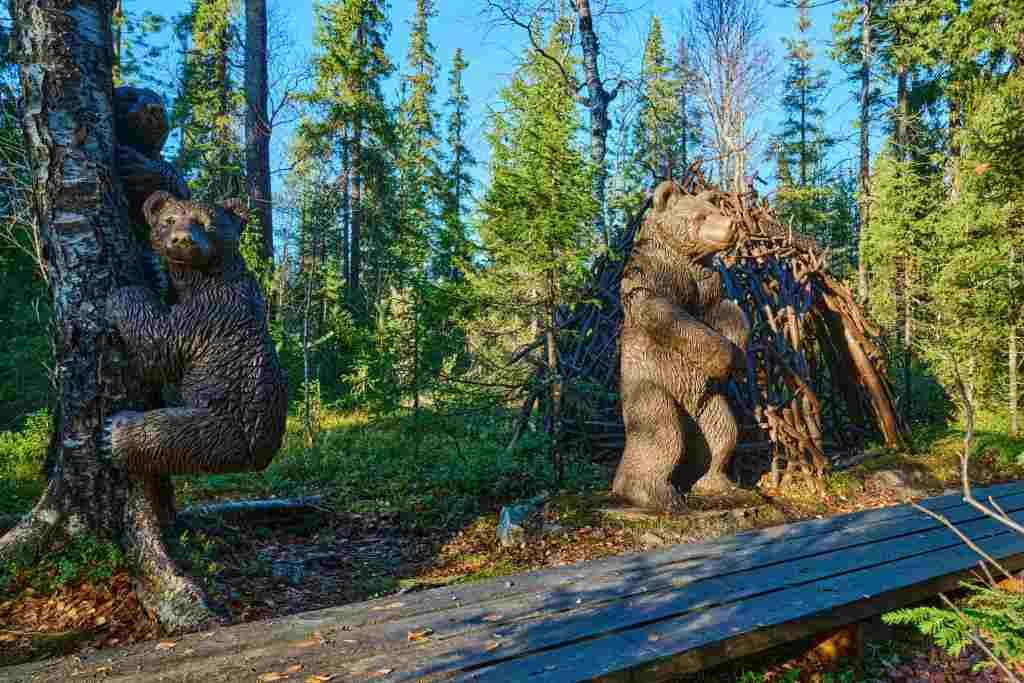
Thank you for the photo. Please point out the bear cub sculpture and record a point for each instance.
(213, 343)
(681, 339)
(141, 125)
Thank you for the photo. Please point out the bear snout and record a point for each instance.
(718, 230)
(188, 244)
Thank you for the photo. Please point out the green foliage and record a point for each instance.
(80, 559)
(210, 103)
(661, 131)
(996, 615)
(21, 463)
(462, 467)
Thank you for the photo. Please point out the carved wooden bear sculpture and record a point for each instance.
(213, 343)
(141, 126)
(680, 340)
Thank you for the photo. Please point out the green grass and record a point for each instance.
(460, 468)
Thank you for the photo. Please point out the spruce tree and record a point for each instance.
(802, 144)
(659, 133)
(452, 247)
(350, 66)
(208, 109)
(536, 214)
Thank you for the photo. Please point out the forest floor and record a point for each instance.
(395, 518)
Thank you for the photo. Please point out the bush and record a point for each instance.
(21, 463)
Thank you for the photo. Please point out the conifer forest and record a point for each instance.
(439, 201)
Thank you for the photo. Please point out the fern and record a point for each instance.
(997, 615)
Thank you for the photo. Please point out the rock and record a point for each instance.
(894, 481)
(652, 540)
(514, 520)
(290, 571)
(552, 530)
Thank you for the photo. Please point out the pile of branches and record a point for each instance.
(816, 382)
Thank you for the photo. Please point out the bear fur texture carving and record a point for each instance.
(680, 340)
(141, 126)
(213, 343)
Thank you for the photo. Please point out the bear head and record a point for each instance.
(194, 235)
(691, 226)
(140, 119)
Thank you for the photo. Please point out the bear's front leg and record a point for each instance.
(176, 441)
(147, 330)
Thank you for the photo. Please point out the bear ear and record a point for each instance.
(663, 194)
(237, 207)
(154, 204)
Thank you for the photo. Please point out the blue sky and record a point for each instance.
(492, 53)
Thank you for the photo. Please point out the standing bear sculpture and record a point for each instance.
(680, 341)
(213, 343)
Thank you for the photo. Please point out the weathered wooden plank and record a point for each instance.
(366, 650)
(538, 632)
(798, 554)
(696, 641)
(358, 631)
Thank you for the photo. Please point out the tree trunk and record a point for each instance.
(908, 337)
(1013, 351)
(66, 56)
(865, 149)
(344, 181)
(257, 123)
(223, 186)
(597, 102)
(556, 401)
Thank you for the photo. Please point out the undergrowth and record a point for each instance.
(459, 468)
(82, 559)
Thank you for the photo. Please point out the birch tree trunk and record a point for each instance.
(257, 122)
(66, 54)
(597, 101)
(865, 149)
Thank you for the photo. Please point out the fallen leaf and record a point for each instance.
(393, 605)
(382, 672)
(420, 635)
(166, 645)
(271, 676)
(319, 678)
(7, 637)
(100, 621)
(312, 642)
(294, 669)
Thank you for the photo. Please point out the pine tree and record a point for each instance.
(452, 248)
(350, 66)
(802, 144)
(208, 109)
(537, 212)
(659, 133)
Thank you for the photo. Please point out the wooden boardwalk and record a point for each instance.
(644, 616)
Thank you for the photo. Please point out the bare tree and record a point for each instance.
(732, 71)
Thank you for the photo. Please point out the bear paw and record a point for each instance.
(112, 428)
(713, 484)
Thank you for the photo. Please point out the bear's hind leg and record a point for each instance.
(718, 426)
(177, 441)
(654, 447)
